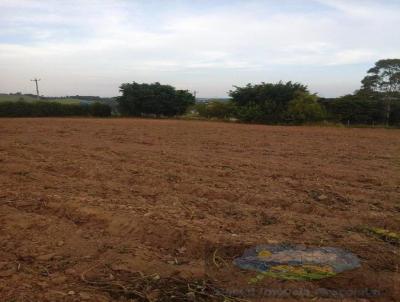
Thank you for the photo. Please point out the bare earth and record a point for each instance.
(83, 201)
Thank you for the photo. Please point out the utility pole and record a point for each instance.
(37, 87)
(194, 93)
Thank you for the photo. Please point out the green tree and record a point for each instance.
(383, 79)
(305, 108)
(355, 109)
(216, 109)
(265, 102)
(153, 99)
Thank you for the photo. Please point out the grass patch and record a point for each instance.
(296, 273)
(384, 234)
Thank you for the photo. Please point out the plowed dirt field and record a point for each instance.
(125, 209)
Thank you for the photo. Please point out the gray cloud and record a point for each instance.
(90, 47)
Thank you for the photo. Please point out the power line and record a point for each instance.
(37, 87)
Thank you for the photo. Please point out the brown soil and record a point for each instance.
(88, 207)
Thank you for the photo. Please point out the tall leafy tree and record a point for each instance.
(265, 102)
(383, 79)
(153, 99)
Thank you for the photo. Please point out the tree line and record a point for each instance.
(376, 102)
(48, 109)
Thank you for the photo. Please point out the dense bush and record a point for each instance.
(216, 109)
(251, 113)
(99, 109)
(360, 109)
(351, 109)
(395, 114)
(265, 102)
(305, 108)
(43, 109)
(153, 99)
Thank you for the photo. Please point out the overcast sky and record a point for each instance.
(91, 47)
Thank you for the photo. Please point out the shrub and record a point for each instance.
(355, 110)
(49, 109)
(100, 110)
(305, 108)
(216, 109)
